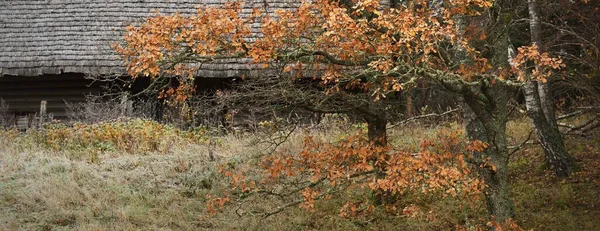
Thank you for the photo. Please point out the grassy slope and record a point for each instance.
(42, 189)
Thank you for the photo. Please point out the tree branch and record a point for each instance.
(517, 148)
(423, 117)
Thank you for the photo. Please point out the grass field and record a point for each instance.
(142, 181)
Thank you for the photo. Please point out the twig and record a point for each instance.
(569, 115)
(237, 211)
(517, 148)
(424, 116)
(312, 184)
(576, 113)
(590, 107)
(596, 125)
(282, 139)
(275, 142)
(581, 126)
(585, 127)
(281, 208)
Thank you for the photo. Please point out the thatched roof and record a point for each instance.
(60, 36)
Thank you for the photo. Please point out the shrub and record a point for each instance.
(130, 136)
(321, 170)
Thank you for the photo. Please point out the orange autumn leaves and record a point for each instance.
(322, 31)
(541, 65)
(381, 48)
(322, 169)
(175, 44)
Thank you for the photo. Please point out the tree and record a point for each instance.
(349, 44)
(540, 106)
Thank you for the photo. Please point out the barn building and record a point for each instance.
(48, 47)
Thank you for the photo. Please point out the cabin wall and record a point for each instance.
(23, 94)
(164, 112)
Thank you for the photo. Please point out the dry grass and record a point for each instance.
(42, 188)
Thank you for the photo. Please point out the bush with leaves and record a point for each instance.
(321, 170)
(130, 136)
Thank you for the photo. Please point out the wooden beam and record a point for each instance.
(43, 105)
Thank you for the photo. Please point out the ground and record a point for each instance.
(165, 186)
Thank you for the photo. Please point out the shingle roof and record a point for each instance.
(60, 36)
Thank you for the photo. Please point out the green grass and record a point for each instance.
(44, 188)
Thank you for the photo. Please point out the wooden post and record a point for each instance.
(123, 103)
(129, 108)
(409, 104)
(211, 149)
(126, 105)
(43, 106)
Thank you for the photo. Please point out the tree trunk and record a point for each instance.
(487, 122)
(547, 104)
(485, 116)
(377, 130)
(540, 109)
(410, 111)
(548, 134)
(498, 202)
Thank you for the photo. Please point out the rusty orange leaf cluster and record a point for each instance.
(340, 43)
(176, 45)
(439, 167)
(214, 204)
(543, 64)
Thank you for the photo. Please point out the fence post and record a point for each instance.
(129, 110)
(43, 106)
(126, 105)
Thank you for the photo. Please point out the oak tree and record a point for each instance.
(362, 44)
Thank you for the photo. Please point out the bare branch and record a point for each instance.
(525, 142)
(576, 113)
(585, 127)
(424, 116)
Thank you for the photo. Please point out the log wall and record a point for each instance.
(24, 93)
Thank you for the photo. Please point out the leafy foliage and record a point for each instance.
(324, 169)
(389, 48)
(542, 61)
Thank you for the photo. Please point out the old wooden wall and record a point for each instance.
(24, 93)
